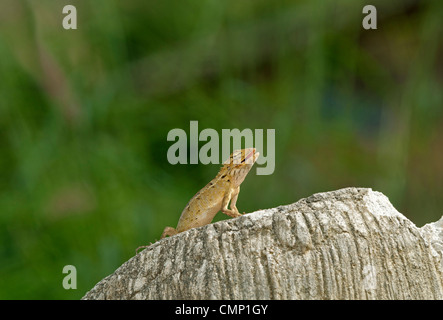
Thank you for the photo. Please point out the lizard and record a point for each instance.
(217, 194)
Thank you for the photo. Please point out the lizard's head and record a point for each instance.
(239, 164)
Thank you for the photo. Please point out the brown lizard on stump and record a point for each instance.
(217, 194)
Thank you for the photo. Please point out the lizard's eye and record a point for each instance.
(237, 158)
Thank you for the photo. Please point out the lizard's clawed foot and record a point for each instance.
(169, 231)
(231, 213)
(142, 247)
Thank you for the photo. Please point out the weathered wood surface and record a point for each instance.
(345, 244)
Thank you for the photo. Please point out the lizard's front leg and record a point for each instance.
(231, 196)
(234, 197)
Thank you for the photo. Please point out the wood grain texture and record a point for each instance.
(345, 244)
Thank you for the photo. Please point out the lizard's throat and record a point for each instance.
(239, 174)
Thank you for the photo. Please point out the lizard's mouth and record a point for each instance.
(249, 155)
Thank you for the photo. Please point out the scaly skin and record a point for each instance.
(217, 194)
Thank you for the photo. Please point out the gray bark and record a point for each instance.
(345, 244)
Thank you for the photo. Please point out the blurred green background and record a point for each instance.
(84, 116)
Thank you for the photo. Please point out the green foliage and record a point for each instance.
(84, 116)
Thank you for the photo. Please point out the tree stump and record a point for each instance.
(345, 244)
